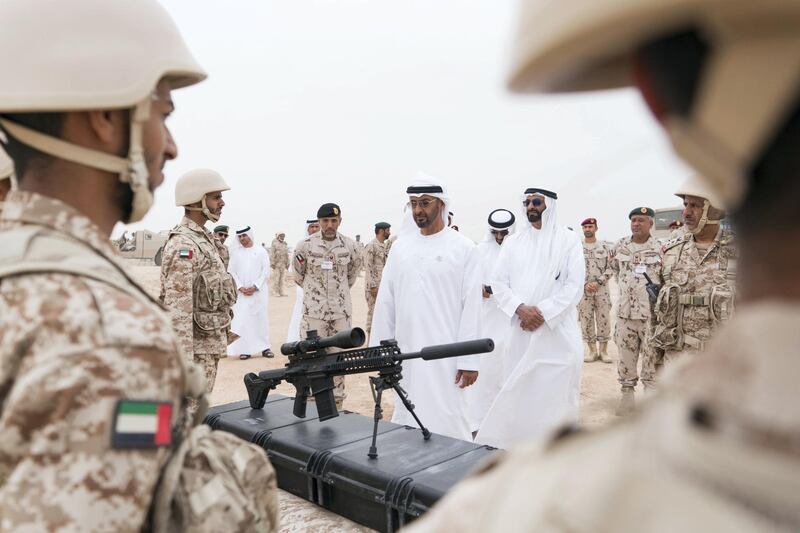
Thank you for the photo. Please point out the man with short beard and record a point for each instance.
(595, 305)
(699, 275)
(221, 233)
(431, 294)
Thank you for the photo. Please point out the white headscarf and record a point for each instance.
(308, 224)
(236, 245)
(431, 187)
(499, 220)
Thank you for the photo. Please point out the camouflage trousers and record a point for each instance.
(326, 328)
(594, 312)
(278, 276)
(208, 362)
(370, 309)
(632, 339)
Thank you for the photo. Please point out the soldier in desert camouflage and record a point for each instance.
(93, 384)
(595, 306)
(375, 255)
(279, 263)
(196, 287)
(221, 233)
(632, 258)
(326, 265)
(699, 275)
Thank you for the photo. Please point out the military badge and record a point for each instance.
(142, 424)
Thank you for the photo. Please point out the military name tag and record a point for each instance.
(327, 265)
(641, 269)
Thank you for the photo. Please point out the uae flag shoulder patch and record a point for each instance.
(142, 424)
(185, 253)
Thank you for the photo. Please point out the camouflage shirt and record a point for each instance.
(326, 270)
(630, 261)
(699, 285)
(279, 254)
(597, 256)
(375, 255)
(223, 251)
(196, 289)
(71, 348)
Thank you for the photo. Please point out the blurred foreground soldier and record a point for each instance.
(312, 227)
(279, 263)
(494, 322)
(221, 233)
(595, 307)
(721, 440)
(537, 283)
(633, 258)
(699, 275)
(7, 180)
(375, 255)
(430, 294)
(326, 265)
(93, 386)
(250, 270)
(195, 285)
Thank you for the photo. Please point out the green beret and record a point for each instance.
(329, 210)
(646, 211)
(383, 225)
(221, 229)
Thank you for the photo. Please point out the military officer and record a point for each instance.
(595, 306)
(326, 265)
(632, 258)
(279, 262)
(7, 179)
(375, 255)
(699, 274)
(221, 233)
(196, 287)
(93, 386)
(717, 448)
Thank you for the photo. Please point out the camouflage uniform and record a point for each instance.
(595, 308)
(634, 317)
(78, 336)
(375, 255)
(698, 292)
(718, 448)
(223, 251)
(279, 262)
(199, 293)
(326, 270)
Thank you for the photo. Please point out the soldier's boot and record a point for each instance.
(591, 355)
(604, 353)
(627, 403)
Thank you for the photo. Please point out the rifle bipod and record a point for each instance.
(378, 384)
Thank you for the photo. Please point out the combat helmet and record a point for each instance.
(193, 186)
(696, 186)
(91, 54)
(748, 85)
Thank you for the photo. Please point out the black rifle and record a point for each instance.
(311, 370)
(651, 288)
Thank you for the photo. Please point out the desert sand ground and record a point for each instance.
(599, 388)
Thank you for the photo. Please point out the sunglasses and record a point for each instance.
(424, 204)
(536, 202)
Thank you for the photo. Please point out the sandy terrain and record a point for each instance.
(599, 388)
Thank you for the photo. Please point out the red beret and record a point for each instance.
(589, 221)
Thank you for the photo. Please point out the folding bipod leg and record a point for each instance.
(410, 406)
(377, 385)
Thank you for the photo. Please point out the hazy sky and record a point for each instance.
(313, 101)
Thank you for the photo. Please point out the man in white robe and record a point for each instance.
(495, 323)
(249, 267)
(312, 226)
(538, 282)
(430, 294)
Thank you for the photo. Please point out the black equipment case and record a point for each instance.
(326, 462)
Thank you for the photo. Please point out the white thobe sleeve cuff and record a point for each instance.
(468, 362)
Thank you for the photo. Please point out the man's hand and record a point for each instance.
(465, 378)
(485, 293)
(248, 291)
(591, 287)
(374, 292)
(530, 317)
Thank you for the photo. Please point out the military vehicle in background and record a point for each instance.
(143, 244)
(664, 217)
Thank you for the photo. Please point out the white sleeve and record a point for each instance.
(505, 298)
(469, 326)
(383, 316)
(264, 274)
(570, 287)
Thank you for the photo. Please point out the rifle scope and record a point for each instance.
(346, 339)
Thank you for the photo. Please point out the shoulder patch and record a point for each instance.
(186, 253)
(142, 424)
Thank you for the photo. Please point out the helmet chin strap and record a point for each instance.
(131, 170)
(704, 220)
(206, 211)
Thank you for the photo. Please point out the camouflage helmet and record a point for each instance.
(696, 186)
(748, 85)
(91, 54)
(193, 187)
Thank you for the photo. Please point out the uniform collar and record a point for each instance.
(194, 226)
(24, 207)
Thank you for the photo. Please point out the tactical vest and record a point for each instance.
(676, 295)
